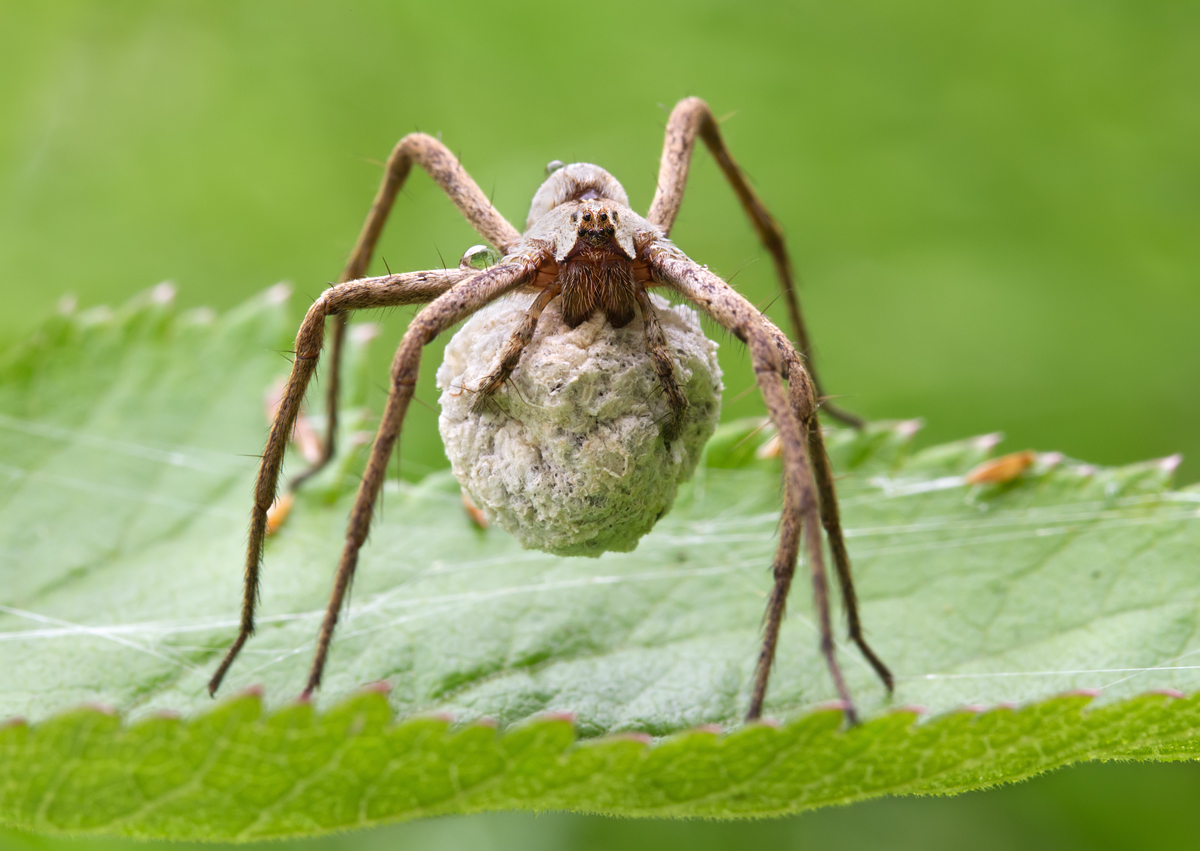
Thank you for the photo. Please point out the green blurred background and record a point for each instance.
(995, 209)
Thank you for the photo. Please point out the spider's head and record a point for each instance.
(597, 228)
(575, 182)
(583, 210)
(596, 223)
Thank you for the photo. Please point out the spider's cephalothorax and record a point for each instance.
(597, 273)
(584, 216)
(584, 246)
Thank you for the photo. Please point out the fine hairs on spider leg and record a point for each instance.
(582, 270)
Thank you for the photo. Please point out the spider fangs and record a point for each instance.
(584, 246)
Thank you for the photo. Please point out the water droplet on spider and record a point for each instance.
(480, 257)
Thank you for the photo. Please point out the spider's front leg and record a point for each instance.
(510, 355)
(692, 118)
(386, 291)
(795, 421)
(448, 309)
(437, 160)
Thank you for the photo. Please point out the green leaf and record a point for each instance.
(127, 442)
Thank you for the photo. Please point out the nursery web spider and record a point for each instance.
(585, 246)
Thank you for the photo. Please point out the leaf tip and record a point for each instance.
(162, 294)
(907, 428)
(773, 723)
(987, 441)
(98, 706)
(631, 736)
(378, 687)
(833, 706)
(1168, 692)
(559, 715)
(199, 316)
(255, 691)
(362, 333)
(278, 294)
(1171, 463)
(14, 721)
(1050, 459)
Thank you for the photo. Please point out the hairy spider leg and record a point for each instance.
(386, 291)
(664, 368)
(803, 398)
(443, 312)
(692, 117)
(510, 355)
(801, 509)
(837, 546)
(809, 495)
(475, 206)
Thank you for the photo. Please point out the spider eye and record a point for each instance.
(574, 217)
(614, 215)
(587, 217)
(604, 217)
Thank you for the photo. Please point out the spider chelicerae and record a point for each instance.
(587, 248)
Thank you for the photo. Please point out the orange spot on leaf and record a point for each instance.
(278, 513)
(1002, 469)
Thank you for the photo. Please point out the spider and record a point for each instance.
(584, 246)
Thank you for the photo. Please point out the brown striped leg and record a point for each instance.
(510, 355)
(804, 406)
(446, 171)
(391, 290)
(691, 118)
(830, 518)
(801, 510)
(449, 308)
(664, 368)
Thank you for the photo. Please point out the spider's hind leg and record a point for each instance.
(809, 499)
(804, 406)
